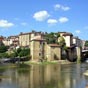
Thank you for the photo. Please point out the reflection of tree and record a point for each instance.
(23, 69)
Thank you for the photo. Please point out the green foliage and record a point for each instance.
(3, 49)
(62, 41)
(12, 55)
(24, 52)
(52, 37)
(4, 55)
(86, 43)
(19, 50)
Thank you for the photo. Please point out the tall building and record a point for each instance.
(24, 38)
(40, 50)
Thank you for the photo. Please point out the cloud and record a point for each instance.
(61, 7)
(52, 21)
(65, 8)
(78, 31)
(5, 24)
(23, 23)
(41, 15)
(57, 6)
(63, 19)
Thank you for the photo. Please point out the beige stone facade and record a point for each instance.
(11, 40)
(37, 49)
(40, 51)
(52, 52)
(24, 38)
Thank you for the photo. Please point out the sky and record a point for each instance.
(44, 15)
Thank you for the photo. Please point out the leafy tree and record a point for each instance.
(24, 52)
(61, 41)
(12, 55)
(86, 43)
(52, 37)
(4, 55)
(19, 50)
(3, 49)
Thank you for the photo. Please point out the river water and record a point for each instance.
(44, 76)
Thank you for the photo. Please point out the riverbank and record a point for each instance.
(9, 65)
(49, 62)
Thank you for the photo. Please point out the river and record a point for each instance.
(44, 76)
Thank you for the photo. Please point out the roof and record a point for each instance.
(28, 33)
(1, 38)
(54, 45)
(16, 41)
(24, 33)
(12, 37)
(67, 34)
(61, 32)
(38, 39)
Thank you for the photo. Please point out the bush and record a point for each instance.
(4, 55)
(24, 52)
(3, 49)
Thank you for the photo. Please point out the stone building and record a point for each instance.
(24, 38)
(37, 49)
(11, 41)
(1, 40)
(77, 41)
(68, 39)
(40, 50)
(52, 52)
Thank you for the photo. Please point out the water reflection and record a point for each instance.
(44, 76)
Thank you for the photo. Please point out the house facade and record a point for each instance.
(68, 37)
(24, 38)
(11, 41)
(77, 41)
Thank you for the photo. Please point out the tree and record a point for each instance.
(61, 41)
(86, 43)
(3, 49)
(24, 52)
(4, 55)
(52, 37)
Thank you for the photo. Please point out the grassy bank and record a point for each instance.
(48, 62)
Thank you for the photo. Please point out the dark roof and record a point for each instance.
(67, 34)
(54, 45)
(28, 33)
(16, 41)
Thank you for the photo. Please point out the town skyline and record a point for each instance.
(46, 16)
